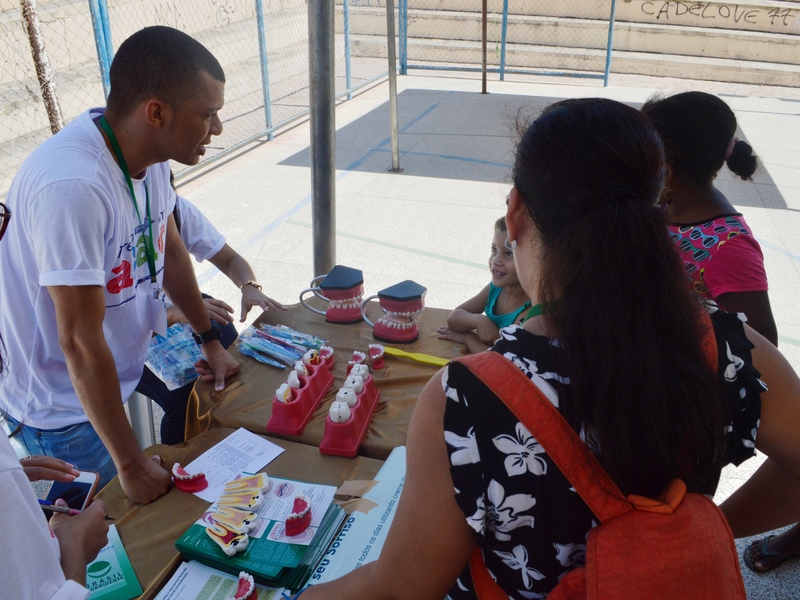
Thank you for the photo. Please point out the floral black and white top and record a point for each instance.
(531, 525)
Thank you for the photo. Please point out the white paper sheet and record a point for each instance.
(193, 581)
(241, 452)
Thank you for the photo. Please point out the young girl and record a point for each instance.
(477, 322)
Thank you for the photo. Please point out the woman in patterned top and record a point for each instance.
(721, 256)
(618, 353)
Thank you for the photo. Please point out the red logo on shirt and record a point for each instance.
(122, 280)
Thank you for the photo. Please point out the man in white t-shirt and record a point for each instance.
(83, 263)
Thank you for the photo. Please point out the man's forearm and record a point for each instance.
(94, 376)
(233, 266)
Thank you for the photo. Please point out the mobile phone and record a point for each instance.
(77, 493)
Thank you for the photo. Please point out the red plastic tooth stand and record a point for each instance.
(290, 418)
(344, 439)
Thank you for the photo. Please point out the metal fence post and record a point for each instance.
(102, 40)
(403, 24)
(503, 38)
(347, 72)
(611, 18)
(262, 49)
(322, 92)
(393, 118)
(484, 43)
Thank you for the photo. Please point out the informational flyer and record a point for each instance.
(277, 505)
(193, 581)
(110, 576)
(241, 452)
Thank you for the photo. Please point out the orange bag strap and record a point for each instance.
(552, 431)
(485, 587)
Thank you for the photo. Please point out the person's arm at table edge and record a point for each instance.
(80, 311)
(753, 508)
(468, 315)
(180, 285)
(234, 266)
(428, 529)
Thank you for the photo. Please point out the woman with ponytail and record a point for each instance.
(721, 256)
(614, 343)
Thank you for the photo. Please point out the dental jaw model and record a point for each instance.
(296, 400)
(298, 520)
(350, 414)
(401, 303)
(245, 588)
(343, 289)
(188, 482)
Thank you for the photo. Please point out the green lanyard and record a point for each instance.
(149, 250)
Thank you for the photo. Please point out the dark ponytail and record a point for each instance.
(697, 129)
(590, 172)
(742, 161)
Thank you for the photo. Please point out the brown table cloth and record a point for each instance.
(149, 532)
(247, 401)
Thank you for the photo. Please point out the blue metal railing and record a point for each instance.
(502, 70)
(102, 40)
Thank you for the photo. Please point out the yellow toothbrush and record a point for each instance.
(417, 356)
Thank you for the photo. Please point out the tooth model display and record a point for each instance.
(355, 382)
(376, 352)
(343, 288)
(401, 303)
(350, 414)
(259, 482)
(188, 482)
(299, 519)
(340, 411)
(348, 396)
(296, 400)
(245, 588)
(230, 542)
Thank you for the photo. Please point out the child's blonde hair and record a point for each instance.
(500, 224)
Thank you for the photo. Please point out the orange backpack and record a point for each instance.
(678, 546)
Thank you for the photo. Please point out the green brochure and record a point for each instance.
(110, 576)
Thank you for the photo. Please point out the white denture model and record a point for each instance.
(284, 393)
(355, 383)
(293, 380)
(300, 368)
(347, 395)
(339, 412)
(360, 370)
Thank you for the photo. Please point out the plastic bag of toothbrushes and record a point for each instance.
(172, 358)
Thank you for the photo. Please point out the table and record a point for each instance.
(149, 532)
(247, 401)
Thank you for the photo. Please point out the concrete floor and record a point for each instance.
(433, 222)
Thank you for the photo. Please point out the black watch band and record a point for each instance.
(212, 334)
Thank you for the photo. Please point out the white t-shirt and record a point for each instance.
(30, 565)
(200, 237)
(74, 223)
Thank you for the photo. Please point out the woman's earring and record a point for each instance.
(510, 244)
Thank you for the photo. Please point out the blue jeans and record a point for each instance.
(77, 444)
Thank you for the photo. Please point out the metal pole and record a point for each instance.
(393, 118)
(403, 20)
(611, 19)
(262, 49)
(504, 36)
(484, 41)
(103, 59)
(140, 414)
(44, 72)
(321, 71)
(347, 70)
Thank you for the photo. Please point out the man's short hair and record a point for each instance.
(158, 62)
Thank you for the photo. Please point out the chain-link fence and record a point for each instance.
(261, 44)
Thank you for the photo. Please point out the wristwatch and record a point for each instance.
(212, 334)
(252, 282)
